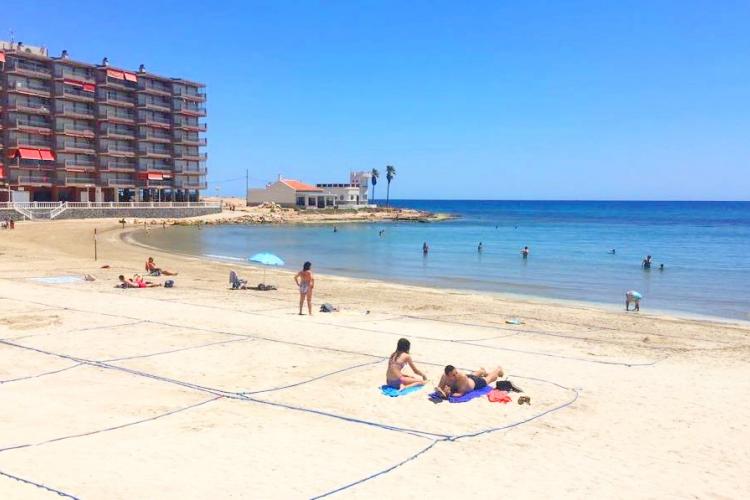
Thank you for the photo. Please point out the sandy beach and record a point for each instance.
(202, 392)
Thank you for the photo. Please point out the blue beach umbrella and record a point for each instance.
(267, 259)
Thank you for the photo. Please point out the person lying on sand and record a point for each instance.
(454, 383)
(401, 357)
(136, 282)
(152, 269)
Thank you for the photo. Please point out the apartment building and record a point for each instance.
(73, 131)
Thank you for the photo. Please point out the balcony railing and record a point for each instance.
(120, 182)
(197, 94)
(28, 68)
(24, 88)
(30, 180)
(153, 135)
(40, 125)
(189, 184)
(155, 152)
(75, 111)
(29, 107)
(76, 181)
(88, 147)
(199, 127)
(151, 104)
(15, 142)
(66, 72)
(76, 164)
(113, 115)
(115, 100)
(117, 150)
(117, 132)
(73, 93)
(192, 141)
(191, 156)
(155, 89)
(190, 110)
(114, 166)
(75, 130)
(191, 170)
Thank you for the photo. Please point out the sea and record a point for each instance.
(703, 246)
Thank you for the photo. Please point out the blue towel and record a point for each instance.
(387, 390)
(471, 395)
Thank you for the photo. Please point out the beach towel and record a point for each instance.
(471, 395)
(496, 396)
(57, 280)
(387, 390)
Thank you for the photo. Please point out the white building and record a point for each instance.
(291, 193)
(351, 195)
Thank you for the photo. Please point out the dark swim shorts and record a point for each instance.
(479, 382)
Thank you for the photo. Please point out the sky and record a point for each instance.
(631, 100)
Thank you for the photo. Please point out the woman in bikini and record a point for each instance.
(401, 357)
(306, 283)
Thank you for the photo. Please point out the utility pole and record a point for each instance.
(247, 183)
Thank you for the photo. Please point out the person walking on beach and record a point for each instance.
(635, 298)
(525, 252)
(394, 376)
(306, 283)
(646, 264)
(425, 248)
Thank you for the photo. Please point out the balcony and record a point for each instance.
(73, 94)
(150, 88)
(150, 183)
(76, 180)
(190, 141)
(35, 90)
(76, 165)
(116, 100)
(86, 112)
(156, 106)
(185, 170)
(117, 133)
(31, 180)
(36, 108)
(26, 68)
(30, 142)
(199, 127)
(161, 153)
(112, 150)
(197, 95)
(116, 166)
(120, 183)
(76, 147)
(34, 127)
(190, 184)
(74, 131)
(114, 116)
(191, 156)
(198, 111)
(63, 72)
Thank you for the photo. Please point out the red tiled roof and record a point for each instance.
(300, 186)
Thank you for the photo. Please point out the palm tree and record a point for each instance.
(390, 173)
(375, 174)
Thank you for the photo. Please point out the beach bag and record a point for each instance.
(327, 308)
(169, 284)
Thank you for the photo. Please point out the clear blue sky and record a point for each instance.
(504, 99)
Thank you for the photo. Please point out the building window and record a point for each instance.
(301, 201)
(311, 202)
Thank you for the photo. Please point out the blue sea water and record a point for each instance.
(704, 246)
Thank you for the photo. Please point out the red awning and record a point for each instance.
(28, 154)
(155, 177)
(2, 170)
(130, 77)
(113, 73)
(2, 56)
(89, 87)
(75, 83)
(46, 155)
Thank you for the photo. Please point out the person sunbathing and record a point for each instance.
(401, 357)
(456, 384)
(136, 282)
(156, 271)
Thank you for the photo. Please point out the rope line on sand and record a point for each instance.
(113, 428)
(38, 485)
(29, 377)
(181, 349)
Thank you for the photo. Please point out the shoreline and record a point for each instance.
(541, 300)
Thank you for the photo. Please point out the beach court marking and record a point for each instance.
(29, 377)
(38, 485)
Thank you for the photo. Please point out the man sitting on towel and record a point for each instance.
(454, 383)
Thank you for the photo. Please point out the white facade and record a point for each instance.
(353, 194)
(291, 193)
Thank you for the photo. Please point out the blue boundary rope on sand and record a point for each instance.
(38, 485)
(218, 393)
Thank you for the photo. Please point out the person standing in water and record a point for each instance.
(306, 283)
(646, 264)
(425, 248)
(525, 252)
(394, 376)
(479, 248)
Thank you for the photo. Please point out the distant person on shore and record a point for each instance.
(635, 298)
(157, 271)
(646, 264)
(480, 247)
(306, 283)
(454, 383)
(425, 248)
(525, 252)
(394, 376)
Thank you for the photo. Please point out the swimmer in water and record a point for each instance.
(479, 248)
(646, 264)
(612, 252)
(661, 267)
(525, 252)
(425, 248)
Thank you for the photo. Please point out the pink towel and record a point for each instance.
(497, 396)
